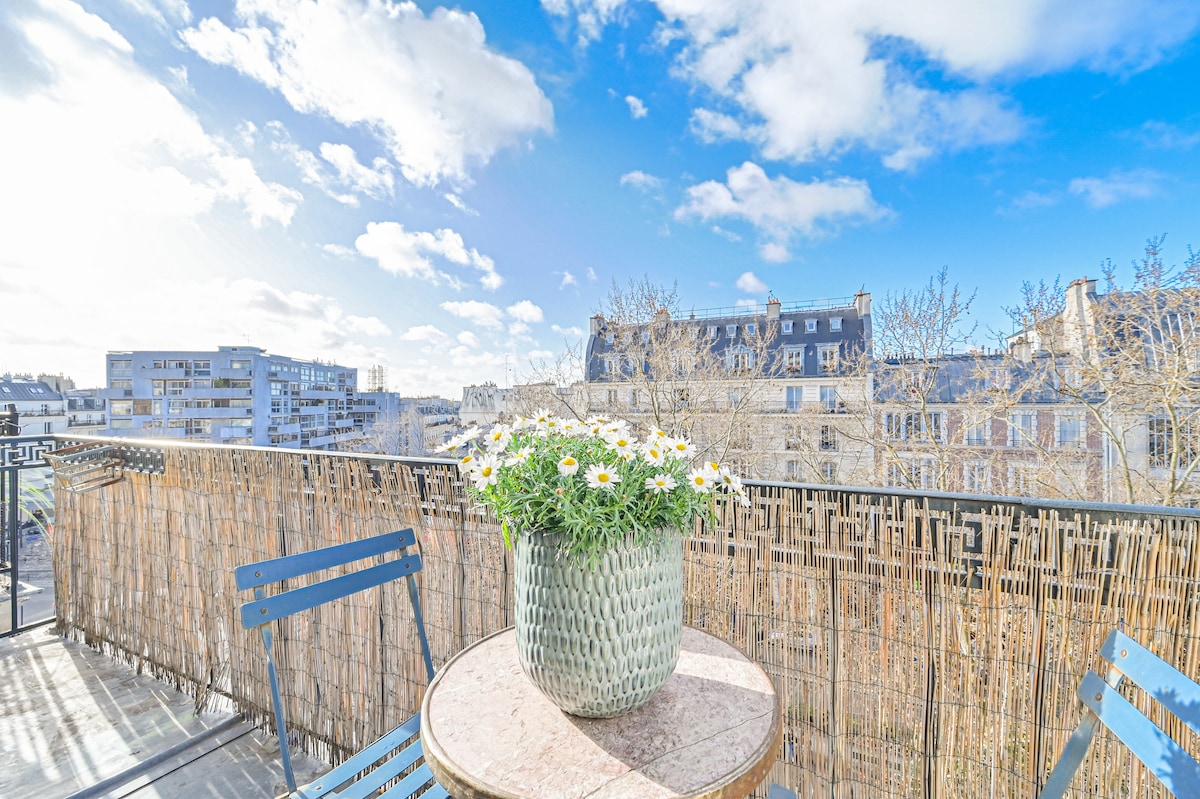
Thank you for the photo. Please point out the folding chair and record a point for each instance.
(1165, 758)
(397, 751)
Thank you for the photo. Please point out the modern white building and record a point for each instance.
(233, 395)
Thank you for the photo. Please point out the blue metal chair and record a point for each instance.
(398, 751)
(777, 791)
(1165, 758)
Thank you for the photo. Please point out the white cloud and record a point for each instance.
(1103, 192)
(637, 109)
(567, 280)
(728, 235)
(458, 203)
(405, 253)
(367, 325)
(750, 284)
(525, 311)
(640, 180)
(374, 181)
(780, 208)
(427, 333)
(339, 250)
(467, 339)
(806, 80)
(569, 332)
(1029, 201)
(519, 330)
(481, 313)
(445, 100)
(591, 275)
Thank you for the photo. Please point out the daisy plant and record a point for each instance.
(592, 481)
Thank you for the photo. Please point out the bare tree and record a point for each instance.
(1129, 359)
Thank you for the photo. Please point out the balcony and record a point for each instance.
(921, 644)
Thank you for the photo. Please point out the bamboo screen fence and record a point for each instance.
(921, 646)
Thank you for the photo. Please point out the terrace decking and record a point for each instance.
(72, 718)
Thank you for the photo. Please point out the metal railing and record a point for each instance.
(26, 518)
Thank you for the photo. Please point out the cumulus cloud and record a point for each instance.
(446, 99)
(574, 331)
(567, 280)
(1118, 186)
(406, 253)
(780, 208)
(374, 181)
(749, 283)
(367, 325)
(525, 311)
(637, 109)
(481, 313)
(805, 80)
(640, 180)
(427, 333)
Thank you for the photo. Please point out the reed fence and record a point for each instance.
(922, 646)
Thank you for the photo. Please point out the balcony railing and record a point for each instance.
(922, 644)
(26, 514)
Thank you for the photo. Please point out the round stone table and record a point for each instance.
(712, 731)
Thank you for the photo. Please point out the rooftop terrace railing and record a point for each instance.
(25, 505)
(922, 645)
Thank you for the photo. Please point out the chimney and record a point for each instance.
(598, 325)
(662, 316)
(862, 303)
(773, 308)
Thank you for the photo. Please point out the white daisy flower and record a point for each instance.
(601, 475)
(497, 440)
(679, 447)
(620, 441)
(520, 456)
(654, 452)
(703, 479)
(661, 483)
(486, 471)
(467, 464)
(568, 466)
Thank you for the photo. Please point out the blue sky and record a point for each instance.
(450, 190)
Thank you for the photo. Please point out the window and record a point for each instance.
(735, 397)
(828, 472)
(1022, 479)
(914, 473)
(739, 360)
(795, 395)
(1165, 444)
(120, 407)
(835, 324)
(791, 436)
(634, 398)
(827, 358)
(608, 339)
(203, 367)
(977, 477)
(751, 329)
(121, 384)
(645, 336)
(793, 360)
(120, 424)
(828, 438)
(1068, 432)
(829, 398)
(810, 325)
(239, 363)
(47, 428)
(731, 330)
(785, 327)
(141, 407)
(1022, 427)
(792, 470)
(713, 331)
(611, 396)
(914, 425)
(976, 434)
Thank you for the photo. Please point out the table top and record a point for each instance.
(711, 732)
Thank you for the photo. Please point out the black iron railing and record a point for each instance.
(26, 519)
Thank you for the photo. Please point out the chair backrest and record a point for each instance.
(263, 609)
(1163, 755)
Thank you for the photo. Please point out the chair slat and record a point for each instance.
(1157, 750)
(267, 609)
(275, 570)
(1160, 679)
(409, 785)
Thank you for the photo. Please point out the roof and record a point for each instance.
(22, 390)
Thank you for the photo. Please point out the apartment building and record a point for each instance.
(30, 406)
(232, 395)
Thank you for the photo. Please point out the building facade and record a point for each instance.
(233, 395)
(31, 407)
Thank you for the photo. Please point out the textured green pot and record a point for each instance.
(598, 642)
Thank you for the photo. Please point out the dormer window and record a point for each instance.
(608, 339)
(810, 325)
(713, 331)
(835, 324)
(751, 329)
(786, 327)
(731, 330)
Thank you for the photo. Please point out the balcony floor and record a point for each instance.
(71, 717)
